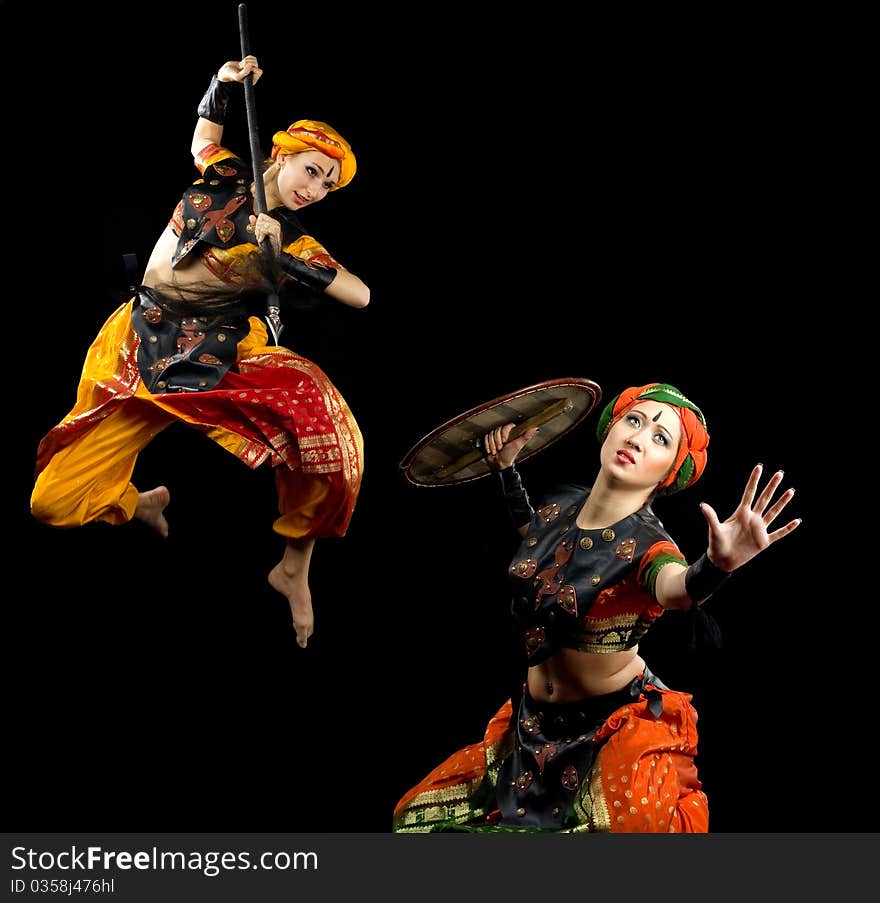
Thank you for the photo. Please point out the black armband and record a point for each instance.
(316, 278)
(214, 104)
(702, 579)
(515, 496)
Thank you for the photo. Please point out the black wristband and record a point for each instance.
(702, 579)
(315, 278)
(214, 104)
(515, 496)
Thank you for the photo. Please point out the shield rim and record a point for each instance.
(579, 381)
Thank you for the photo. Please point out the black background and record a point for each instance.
(669, 195)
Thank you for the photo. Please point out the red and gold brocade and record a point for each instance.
(278, 408)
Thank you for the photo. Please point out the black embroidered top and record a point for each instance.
(591, 590)
(213, 218)
(192, 353)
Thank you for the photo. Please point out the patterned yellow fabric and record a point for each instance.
(309, 134)
(278, 408)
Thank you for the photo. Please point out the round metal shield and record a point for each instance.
(453, 453)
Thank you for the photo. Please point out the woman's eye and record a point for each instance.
(661, 438)
(635, 421)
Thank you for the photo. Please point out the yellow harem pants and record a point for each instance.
(86, 474)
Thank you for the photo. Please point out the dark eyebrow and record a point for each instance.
(653, 420)
(320, 168)
(326, 173)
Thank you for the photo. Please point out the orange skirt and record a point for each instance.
(643, 777)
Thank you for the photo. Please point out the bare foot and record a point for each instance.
(151, 509)
(291, 578)
(299, 597)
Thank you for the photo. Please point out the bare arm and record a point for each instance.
(349, 289)
(206, 133)
(732, 543)
(669, 588)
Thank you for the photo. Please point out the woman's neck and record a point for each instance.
(270, 178)
(606, 505)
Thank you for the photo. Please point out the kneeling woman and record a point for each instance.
(596, 742)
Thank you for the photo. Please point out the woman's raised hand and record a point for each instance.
(745, 533)
(501, 453)
(238, 70)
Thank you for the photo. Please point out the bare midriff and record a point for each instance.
(192, 270)
(569, 675)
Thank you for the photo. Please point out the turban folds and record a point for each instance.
(309, 134)
(690, 461)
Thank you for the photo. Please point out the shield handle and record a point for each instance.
(554, 410)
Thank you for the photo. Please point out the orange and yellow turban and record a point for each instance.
(309, 134)
(690, 462)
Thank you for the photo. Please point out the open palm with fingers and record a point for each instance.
(746, 532)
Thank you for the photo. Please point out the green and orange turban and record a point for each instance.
(690, 462)
(309, 134)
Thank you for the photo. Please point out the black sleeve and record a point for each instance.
(515, 497)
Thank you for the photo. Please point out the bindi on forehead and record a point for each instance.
(663, 409)
(326, 171)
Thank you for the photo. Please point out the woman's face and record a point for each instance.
(305, 178)
(642, 444)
